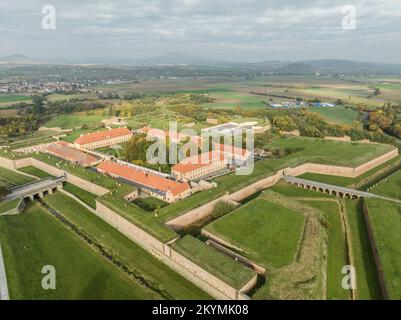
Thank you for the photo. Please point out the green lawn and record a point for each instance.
(385, 219)
(35, 172)
(70, 121)
(218, 264)
(9, 178)
(85, 196)
(80, 272)
(390, 188)
(367, 284)
(336, 250)
(144, 264)
(8, 205)
(264, 232)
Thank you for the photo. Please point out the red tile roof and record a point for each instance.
(103, 135)
(199, 161)
(140, 176)
(62, 150)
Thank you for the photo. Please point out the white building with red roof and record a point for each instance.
(199, 166)
(63, 151)
(156, 186)
(103, 138)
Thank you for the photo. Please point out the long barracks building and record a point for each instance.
(103, 138)
(154, 185)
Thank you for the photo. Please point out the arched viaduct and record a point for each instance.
(328, 188)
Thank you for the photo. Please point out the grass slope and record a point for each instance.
(81, 273)
(133, 255)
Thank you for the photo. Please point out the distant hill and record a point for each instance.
(179, 58)
(19, 59)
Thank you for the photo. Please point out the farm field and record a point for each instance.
(338, 115)
(42, 241)
(7, 100)
(384, 219)
(145, 266)
(74, 120)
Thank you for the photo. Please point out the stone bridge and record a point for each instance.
(36, 189)
(333, 189)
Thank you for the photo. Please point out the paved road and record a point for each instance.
(3, 279)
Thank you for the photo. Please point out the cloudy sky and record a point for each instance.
(237, 30)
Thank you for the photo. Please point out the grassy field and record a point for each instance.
(10, 178)
(42, 241)
(150, 204)
(218, 264)
(336, 249)
(144, 265)
(8, 205)
(262, 231)
(70, 121)
(85, 196)
(338, 115)
(367, 284)
(384, 217)
(35, 172)
(391, 187)
(7, 100)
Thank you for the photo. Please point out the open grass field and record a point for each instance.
(35, 172)
(144, 265)
(70, 121)
(338, 115)
(81, 194)
(80, 272)
(8, 205)
(385, 217)
(7, 100)
(9, 178)
(218, 264)
(262, 231)
(367, 285)
(391, 187)
(150, 204)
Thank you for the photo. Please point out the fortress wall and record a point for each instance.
(211, 284)
(376, 162)
(204, 275)
(79, 182)
(195, 214)
(7, 163)
(22, 163)
(127, 228)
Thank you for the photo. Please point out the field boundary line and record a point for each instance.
(3, 279)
